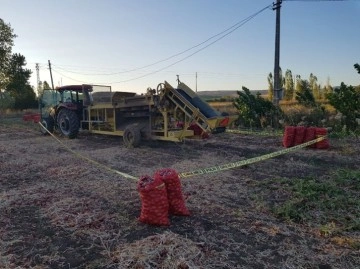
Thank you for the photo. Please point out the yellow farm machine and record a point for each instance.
(164, 113)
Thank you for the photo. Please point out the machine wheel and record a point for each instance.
(132, 136)
(68, 123)
(160, 89)
(48, 123)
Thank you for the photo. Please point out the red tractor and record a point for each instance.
(63, 108)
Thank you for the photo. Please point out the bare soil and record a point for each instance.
(58, 210)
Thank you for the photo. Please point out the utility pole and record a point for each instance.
(277, 82)
(52, 82)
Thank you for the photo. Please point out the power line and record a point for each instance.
(209, 75)
(225, 32)
(319, 0)
(197, 51)
(61, 74)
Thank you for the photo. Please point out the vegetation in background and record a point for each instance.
(289, 86)
(270, 80)
(218, 99)
(43, 86)
(255, 111)
(310, 105)
(18, 86)
(14, 77)
(304, 94)
(357, 67)
(6, 43)
(291, 89)
(299, 115)
(346, 100)
(6, 101)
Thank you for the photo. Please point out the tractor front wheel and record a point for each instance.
(47, 125)
(132, 136)
(68, 123)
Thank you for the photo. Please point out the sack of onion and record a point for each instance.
(174, 193)
(154, 201)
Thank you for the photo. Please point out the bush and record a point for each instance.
(346, 100)
(6, 101)
(255, 111)
(305, 116)
(333, 200)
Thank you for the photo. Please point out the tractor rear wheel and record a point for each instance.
(68, 123)
(48, 123)
(132, 136)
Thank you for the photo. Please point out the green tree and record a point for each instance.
(43, 86)
(46, 86)
(6, 43)
(298, 85)
(305, 95)
(40, 88)
(254, 111)
(326, 89)
(6, 101)
(346, 100)
(357, 67)
(315, 88)
(18, 86)
(288, 85)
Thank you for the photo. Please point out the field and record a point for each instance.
(60, 210)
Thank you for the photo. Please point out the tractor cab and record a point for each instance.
(63, 107)
(75, 95)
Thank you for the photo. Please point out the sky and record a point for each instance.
(133, 45)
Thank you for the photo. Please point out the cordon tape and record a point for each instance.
(227, 166)
(88, 159)
(250, 132)
(213, 169)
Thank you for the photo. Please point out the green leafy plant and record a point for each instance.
(305, 96)
(255, 111)
(346, 100)
(334, 203)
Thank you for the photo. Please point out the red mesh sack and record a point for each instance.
(310, 135)
(299, 135)
(198, 131)
(154, 201)
(323, 144)
(27, 117)
(173, 186)
(289, 135)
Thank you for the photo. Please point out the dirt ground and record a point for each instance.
(60, 211)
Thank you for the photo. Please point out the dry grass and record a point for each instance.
(224, 107)
(166, 250)
(58, 211)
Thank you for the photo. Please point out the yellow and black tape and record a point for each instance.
(249, 132)
(213, 169)
(88, 159)
(227, 166)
